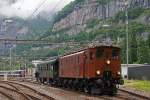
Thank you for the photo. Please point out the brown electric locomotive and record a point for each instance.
(94, 70)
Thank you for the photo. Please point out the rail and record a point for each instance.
(12, 83)
(7, 95)
(24, 95)
(135, 94)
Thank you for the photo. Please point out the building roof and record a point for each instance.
(135, 65)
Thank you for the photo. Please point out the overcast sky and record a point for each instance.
(24, 8)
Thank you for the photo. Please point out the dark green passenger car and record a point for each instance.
(47, 70)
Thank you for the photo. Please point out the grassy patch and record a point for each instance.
(138, 84)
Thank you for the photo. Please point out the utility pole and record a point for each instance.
(126, 3)
(10, 63)
(5, 25)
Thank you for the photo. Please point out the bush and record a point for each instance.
(66, 10)
(91, 23)
(132, 14)
(104, 1)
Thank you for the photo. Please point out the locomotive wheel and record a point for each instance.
(60, 83)
(74, 86)
(70, 85)
(65, 83)
(86, 89)
(113, 91)
(40, 80)
(81, 87)
(96, 91)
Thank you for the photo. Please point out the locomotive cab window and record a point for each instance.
(115, 53)
(99, 53)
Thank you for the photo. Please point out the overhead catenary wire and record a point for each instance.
(36, 9)
(40, 5)
(32, 14)
(56, 5)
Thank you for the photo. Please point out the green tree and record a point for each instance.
(144, 55)
(123, 51)
(104, 1)
(67, 10)
(148, 41)
(133, 48)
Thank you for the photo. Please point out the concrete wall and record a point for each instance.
(139, 73)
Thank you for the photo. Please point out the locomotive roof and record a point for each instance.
(90, 47)
(12, 71)
(105, 46)
(46, 62)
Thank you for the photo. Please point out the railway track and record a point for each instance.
(141, 97)
(7, 96)
(25, 91)
(29, 96)
(13, 94)
(122, 94)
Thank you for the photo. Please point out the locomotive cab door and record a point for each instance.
(90, 63)
(86, 64)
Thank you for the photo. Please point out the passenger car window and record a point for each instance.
(99, 53)
(47, 67)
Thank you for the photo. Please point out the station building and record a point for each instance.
(136, 71)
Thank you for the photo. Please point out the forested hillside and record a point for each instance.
(83, 21)
(73, 24)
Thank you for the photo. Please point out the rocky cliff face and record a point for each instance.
(76, 21)
(12, 29)
(19, 28)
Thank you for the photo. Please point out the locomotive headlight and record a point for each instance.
(118, 73)
(98, 72)
(108, 62)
